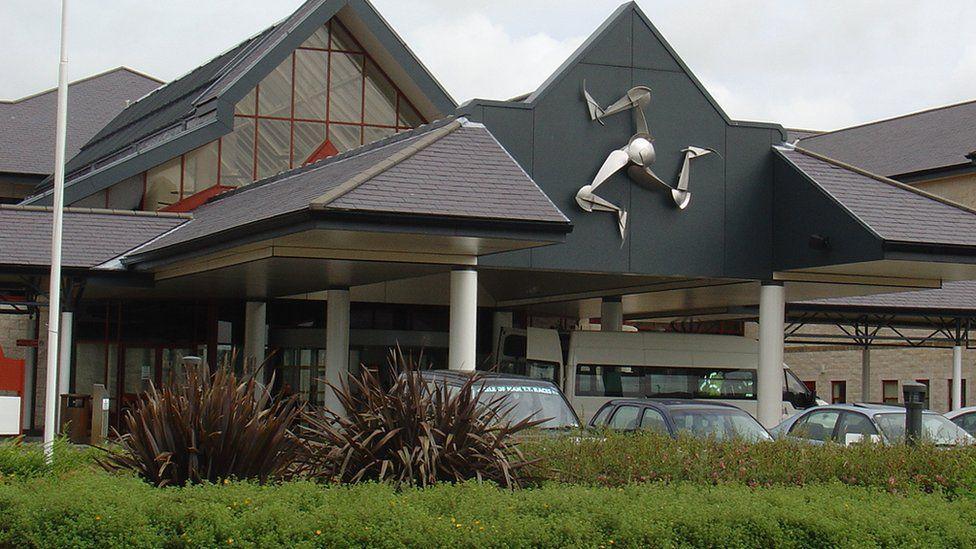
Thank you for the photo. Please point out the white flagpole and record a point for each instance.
(54, 299)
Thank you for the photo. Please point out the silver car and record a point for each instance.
(850, 423)
(964, 417)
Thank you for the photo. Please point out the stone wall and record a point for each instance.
(960, 189)
(824, 364)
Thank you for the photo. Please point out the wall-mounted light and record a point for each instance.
(819, 242)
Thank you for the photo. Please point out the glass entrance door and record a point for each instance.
(303, 371)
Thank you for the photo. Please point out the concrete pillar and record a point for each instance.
(866, 374)
(772, 323)
(611, 314)
(464, 320)
(957, 377)
(336, 344)
(64, 361)
(499, 321)
(255, 335)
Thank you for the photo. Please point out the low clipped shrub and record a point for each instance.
(410, 433)
(20, 459)
(618, 459)
(208, 428)
(100, 510)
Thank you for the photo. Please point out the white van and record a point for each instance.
(600, 366)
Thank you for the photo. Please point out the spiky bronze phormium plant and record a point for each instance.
(414, 433)
(208, 428)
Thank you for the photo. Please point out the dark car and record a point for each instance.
(526, 397)
(680, 416)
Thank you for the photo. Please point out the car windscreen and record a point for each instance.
(722, 424)
(935, 429)
(535, 401)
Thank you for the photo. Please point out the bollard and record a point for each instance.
(99, 410)
(914, 394)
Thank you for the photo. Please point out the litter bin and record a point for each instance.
(914, 395)
(76, 417)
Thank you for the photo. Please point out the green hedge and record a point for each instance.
(88, 509)
(19, 460)
(620, 459)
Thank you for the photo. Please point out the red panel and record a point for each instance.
(324, 151)
(11, 374)
(194, 201)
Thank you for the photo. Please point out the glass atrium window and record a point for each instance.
(326, 97)
(163, 185)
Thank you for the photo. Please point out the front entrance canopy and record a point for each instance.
(410, 205)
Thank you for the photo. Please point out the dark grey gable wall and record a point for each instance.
(726, 230)
(804, 209)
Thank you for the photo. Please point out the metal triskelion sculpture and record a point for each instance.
(638, 154)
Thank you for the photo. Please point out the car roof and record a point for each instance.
(868, 408)
(455, 377)
(961, 411)
(672, 403)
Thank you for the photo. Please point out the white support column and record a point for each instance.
(464, 320)
(866, 374)
(957, 377)
(336, 344)
(772, 312)
(64, 360)
(255, 335)
(611, 314)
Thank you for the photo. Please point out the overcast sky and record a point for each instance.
(817, 64)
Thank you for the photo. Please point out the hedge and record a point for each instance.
(97, 509)
(620, 459)
(26, 460)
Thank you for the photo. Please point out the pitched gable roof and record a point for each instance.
(893, 211)
(27, 124)
(198, 107)
(933, 139)
(450, 168)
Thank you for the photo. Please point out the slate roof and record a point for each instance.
(792, 134)
(449, 168)
(27, 125)
(928, 140)
(164, 108)
(185, 104)
(951, 296)
(90, 237)
(893, 211)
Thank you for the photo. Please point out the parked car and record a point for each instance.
(965, 418)
(676, 416)
(850, 423)
(527, 397)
